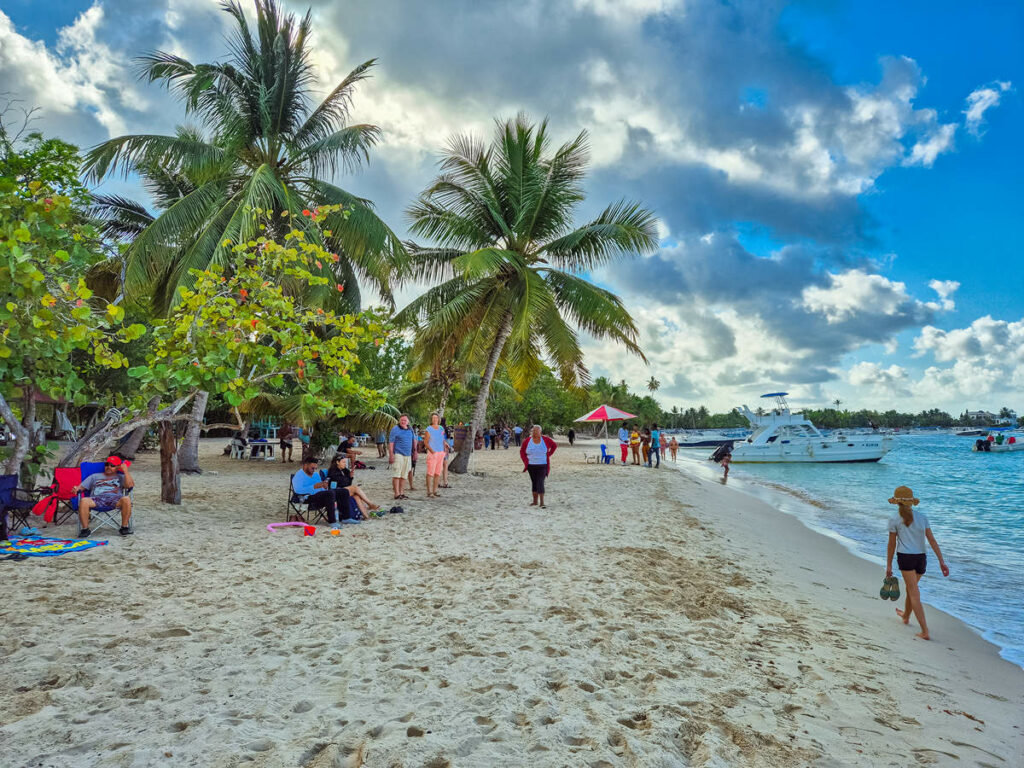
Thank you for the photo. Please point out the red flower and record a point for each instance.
(335, 257)
(340, 287)
(305, 212)
(79, 302)
(254, 322)
(319, 265)
(243, 293)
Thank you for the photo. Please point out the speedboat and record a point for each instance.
(708, 439)
(783, 436)
(969, 432)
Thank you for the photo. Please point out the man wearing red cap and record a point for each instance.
(107, 489)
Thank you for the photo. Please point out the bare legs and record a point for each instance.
(410, 481)
(538, 498)
(433, 481)
(396, 485)
(913, 604)
(86, 505)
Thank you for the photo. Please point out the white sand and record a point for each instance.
(646, 618)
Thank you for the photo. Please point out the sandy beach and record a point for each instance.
(646, 618)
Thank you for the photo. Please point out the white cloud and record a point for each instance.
(926, 149)
(855, 291)
(891, 380)
(981, 100)
(945, 289)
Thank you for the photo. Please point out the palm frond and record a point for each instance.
(332, 114)
(622, 228)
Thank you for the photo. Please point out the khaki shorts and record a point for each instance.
(402, 466)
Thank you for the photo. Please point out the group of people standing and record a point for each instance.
(489, 437)
(646, 445)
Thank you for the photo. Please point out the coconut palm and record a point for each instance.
(500, 217)
(653, 385)
(262, 148)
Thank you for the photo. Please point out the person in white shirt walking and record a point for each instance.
(908, 531)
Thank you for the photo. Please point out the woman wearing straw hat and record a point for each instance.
(908, 531)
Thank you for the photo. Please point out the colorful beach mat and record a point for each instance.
(40, 546)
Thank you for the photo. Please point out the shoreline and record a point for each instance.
(792, 502)
(645, 619)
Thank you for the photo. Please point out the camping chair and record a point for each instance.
(102, 516)
(606, 458)
(64, 479)
(20, 508)
(298, 508)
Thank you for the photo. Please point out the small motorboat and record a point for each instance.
(991, 446)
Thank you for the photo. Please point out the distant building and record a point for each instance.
(980, 416)
(987, 417)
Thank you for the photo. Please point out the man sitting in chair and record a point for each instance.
(308, 482)
(108, 489)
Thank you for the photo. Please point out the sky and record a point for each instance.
(838, 183)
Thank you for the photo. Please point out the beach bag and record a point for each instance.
(357, 464)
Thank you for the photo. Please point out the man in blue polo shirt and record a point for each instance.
(319, 494)
(401, 449)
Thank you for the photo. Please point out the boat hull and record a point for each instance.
(814, 452)
(1015, 448)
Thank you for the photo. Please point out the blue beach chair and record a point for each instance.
(606, 458)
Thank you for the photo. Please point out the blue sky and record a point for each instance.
(838, 220)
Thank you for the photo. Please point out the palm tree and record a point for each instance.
(501, 218)
(653, 385)
(262, 148)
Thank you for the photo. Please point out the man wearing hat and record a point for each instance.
(109, 489)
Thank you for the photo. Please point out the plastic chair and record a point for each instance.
(606, 458)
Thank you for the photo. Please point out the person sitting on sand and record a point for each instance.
(340, 476)
(908, 531)
(308, 482)
(108, 489)
(347, 446)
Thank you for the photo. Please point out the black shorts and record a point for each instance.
(908, 562)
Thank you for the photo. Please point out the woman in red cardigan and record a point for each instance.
(536, 455)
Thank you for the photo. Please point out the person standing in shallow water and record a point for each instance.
(908, 531)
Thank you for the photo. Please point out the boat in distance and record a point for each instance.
(781, 436)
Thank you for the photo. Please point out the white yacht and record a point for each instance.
(783, 436)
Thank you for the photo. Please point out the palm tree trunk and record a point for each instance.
(170, 479)
(461, 464)
(189, 459)
(445, 394)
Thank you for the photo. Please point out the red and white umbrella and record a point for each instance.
(606, 413)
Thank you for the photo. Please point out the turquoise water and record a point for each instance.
(974, 503)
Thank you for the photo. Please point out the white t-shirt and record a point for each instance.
(536, 453)
(909, 540)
